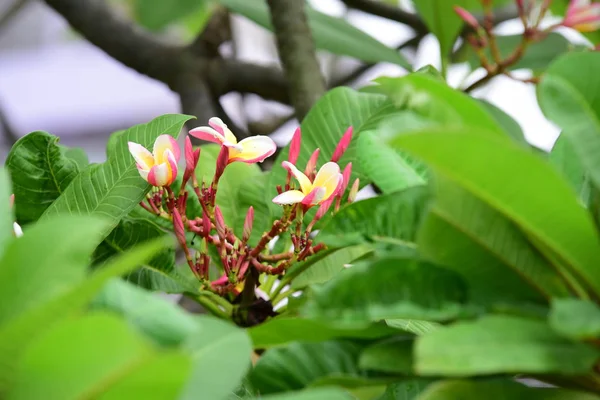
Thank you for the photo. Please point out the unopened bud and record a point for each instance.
(191, 159)
(12, 200)
(342, 145)
(312, 163)
(353, 191)
(219, 222)
(325, 206)
(248, 224)
(345, 179)
(205, 224)
(295, 146)
(467, 17)
(178, 227)
(222, 161)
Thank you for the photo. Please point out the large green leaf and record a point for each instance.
(561, 227)
(97, 356)
(405, 390)
(230, 183)
(330, 33)
(437, 102)
(392, 355)
(389, 288)
(114, 188)
(537, 57)
(414, 326)
(511, 127)
(279, 331)
(252, 193)
(499, 264)
(6, 215)
(371, 220)
(312, 394)
(324, 126)
(498, 389)
(299, 364)
(49, 259)
(25, 328)
(568, 96)
(566, 160)
(40, 173)
(575, 319)
(500, 344)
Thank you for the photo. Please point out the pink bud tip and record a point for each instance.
(312, 163)
(345, 178)
(295, 146)
(342, 145)
(219, 221)
(248, 224)
(325, 206)
(178, 226)
(467, 17)
(12, 200)
(353, 191)
(222, 161)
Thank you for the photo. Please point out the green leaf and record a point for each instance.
(437, 102)
(321, 269)
(561, 227)
(230, 183)
(575, 319)
(40, 172)
(312, 394)
(568, 97)
(25, 328)
(392, 355)
(376, 160)
(324, 126)
(537, 57)
(220, 354)
(498, 389)
(159, 319)
(330, 33)
(415, 326)
(76, 154)
(49, 259)
(252, 193)
(158, 274)
(389, 288)
(114, 188)
(6, 215)
(156, 14)
(500, 344)
(510, 126)
(65, 366)
(279, 331)
(369, 220)
(456, 233)
(566, 160)
(405, 390)
(298, 365)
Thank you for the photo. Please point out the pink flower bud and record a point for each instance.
(311, 166)
(342, 145)
(467, 17)
(219, 222)
(248, 224)
(191, 159)
(222, 161)
(178, 227)
(353, 191)
(12, 200)
(295, 146)
(346, 179)
(205, 224)
(325, 206)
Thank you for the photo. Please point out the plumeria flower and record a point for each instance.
(250, 150)
(583, 16)
(158, 168)
(326, 184)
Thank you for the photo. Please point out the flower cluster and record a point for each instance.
(323, 188)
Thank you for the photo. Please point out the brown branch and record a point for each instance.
(296, 50)
(216, 32)
(390, 12)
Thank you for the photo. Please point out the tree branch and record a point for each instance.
(388, 11)
(297, 54)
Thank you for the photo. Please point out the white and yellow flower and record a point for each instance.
(583, 16)
(326, 184)
(158, 168)
(250, 150)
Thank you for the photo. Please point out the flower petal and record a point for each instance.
(305, 183)
(172, 163)
(254, 149)
(143, 158)
(161, 145)
(159, 175)
(327, 171)
(208, 134)
(289, 197)
(220, 127)
(314, 197)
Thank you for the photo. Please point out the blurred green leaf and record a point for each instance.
(6, 215)
(500, 344)
(392, 355)
(330, 33)
(114, 188)
(405, 390)
(156, 14)
(40, 172)
(510, 126)
(389, 288)
(561, 228)
(415, 326)
(566, 160)
(574, 318)
(312, 394)
(97, 356)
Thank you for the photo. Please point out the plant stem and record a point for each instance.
(217, 300)
(211, 307)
